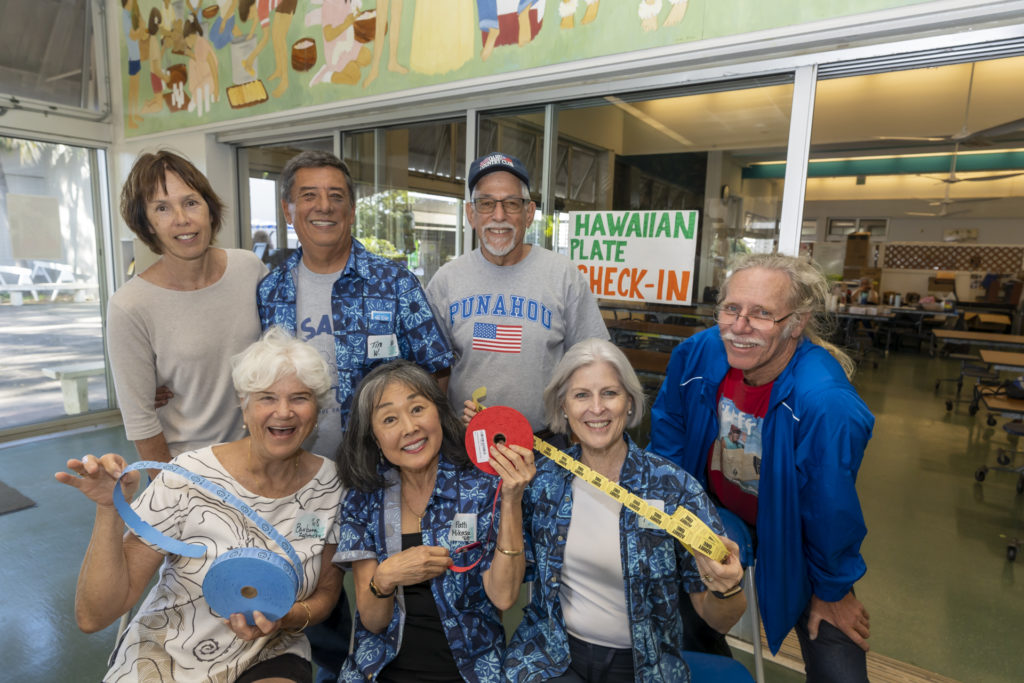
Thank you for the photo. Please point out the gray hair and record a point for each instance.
(359, 454)
(313, 158)
(808, 291)
(275, 356)
(582, 354)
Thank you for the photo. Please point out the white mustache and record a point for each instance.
(504, 225)
(729, 336)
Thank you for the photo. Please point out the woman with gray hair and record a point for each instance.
(606, 587)
(176, 635)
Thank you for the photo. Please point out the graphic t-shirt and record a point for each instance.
(734, 466)
(510, 325)
(314, 326)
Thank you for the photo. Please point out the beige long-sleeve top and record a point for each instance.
(184, 340)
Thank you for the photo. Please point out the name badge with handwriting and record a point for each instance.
(381, 346)
(463, 531)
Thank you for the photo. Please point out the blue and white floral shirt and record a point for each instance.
(370, 526)
(373, 297)
(654, 567)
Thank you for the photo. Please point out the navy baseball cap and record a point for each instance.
(489, 163)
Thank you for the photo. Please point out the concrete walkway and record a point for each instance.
(45, 334)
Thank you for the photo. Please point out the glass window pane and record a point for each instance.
(409, 208)
(521, 134)
(51, 333)
(681, 152)
(584, 175)
(409, 184)
(46, 51)
(266, 220)
(921, 156)
(562, 171)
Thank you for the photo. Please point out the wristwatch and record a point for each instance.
(376, 591)
(722, 595)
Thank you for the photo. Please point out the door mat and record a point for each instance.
(11, 500)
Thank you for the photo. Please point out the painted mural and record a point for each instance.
(187, 62)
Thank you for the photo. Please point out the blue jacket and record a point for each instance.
(655, 569)
(373, 296)
(809, 521)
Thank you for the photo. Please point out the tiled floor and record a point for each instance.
(941, 593)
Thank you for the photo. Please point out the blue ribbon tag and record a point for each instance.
(241, 581)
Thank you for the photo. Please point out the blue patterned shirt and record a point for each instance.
(654, 568)
(373, 296)
(370, 527)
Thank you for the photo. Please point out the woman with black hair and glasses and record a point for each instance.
(417, 519)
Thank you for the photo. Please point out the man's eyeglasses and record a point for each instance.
(510, 205)
(759, 319)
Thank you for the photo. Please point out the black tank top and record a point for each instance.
(425, 656)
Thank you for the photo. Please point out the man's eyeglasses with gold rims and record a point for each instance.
(759, 318)
(510, 205)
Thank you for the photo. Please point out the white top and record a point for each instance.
(175, 636)
(184, 340)
(593, 592)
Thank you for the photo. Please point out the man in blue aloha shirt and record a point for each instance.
(357, 308)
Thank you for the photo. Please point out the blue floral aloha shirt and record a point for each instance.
(373, 296)
(371, 527)
(654, 567)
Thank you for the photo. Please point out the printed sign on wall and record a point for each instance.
(644, 256)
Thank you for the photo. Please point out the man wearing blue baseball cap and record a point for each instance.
(510, 309)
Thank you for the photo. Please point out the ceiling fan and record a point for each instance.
(941, 213)
(965, 136)
(944, 205)
(980, 138)
(953, 178)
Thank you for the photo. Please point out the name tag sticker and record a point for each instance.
(382, 346)
(657, 505)
(310, 526)
(380, 316)
(463, 530)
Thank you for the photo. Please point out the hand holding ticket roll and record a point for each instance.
(505, 424)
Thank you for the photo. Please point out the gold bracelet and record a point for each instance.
(510, 553)
(309, 617)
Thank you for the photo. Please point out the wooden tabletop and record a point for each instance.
(645, 327)
(998, 402)
(643, 360)
(991, 337)
(1005, 359)
(989, 318)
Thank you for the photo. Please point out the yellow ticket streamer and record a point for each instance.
(682, 524)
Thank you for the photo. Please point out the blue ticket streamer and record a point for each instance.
(243, 580)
